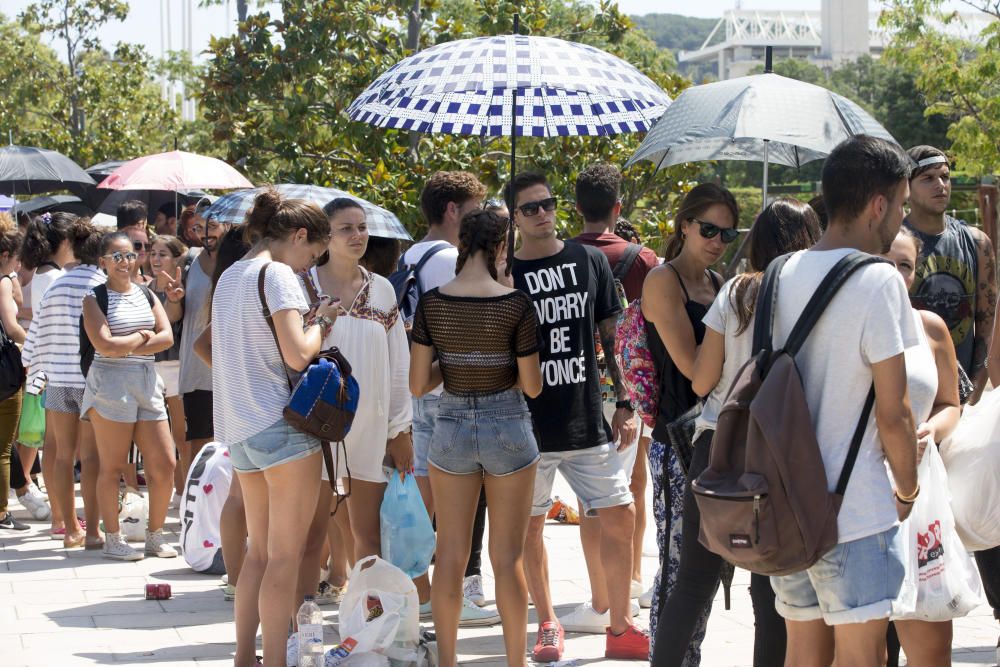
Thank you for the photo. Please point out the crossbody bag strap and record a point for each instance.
(855, 448)
(767, 296)
(628, 258)
(266, 312)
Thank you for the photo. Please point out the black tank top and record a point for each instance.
(676, 395)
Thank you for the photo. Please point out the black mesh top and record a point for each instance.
(477, 339)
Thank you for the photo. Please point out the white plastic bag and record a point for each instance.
(972, 458)
(938, 566)
(133, 515)
(396, 631)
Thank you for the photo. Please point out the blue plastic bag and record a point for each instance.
(407, 534)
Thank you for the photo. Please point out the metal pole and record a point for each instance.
(763, 202)
(513, 149)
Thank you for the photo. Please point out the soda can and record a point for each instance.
(158, 591)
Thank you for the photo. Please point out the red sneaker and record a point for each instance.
(549, 646)
(633, 644)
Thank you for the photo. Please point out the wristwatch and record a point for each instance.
(627, 405)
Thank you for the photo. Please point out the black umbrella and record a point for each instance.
(95, 196)
(51, 204)
(29, 170)
(153, 199)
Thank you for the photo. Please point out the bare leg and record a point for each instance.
(454, 539)
(860, 644)
(926, 644)
(115, 438)
(617, 526)
(233, 529)
(49, 450)
(536, 569)
(309, 569)
(157, 447)
(508, 504)
(423, 583)
(590, 540)
(247, 616)
(27, 456)
(640, 477)
(365, 502)
(64, 426)
(175, 406)
(810, 644)
(338, 532)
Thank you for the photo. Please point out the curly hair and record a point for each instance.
(445, 187)
(597, 190)
(43, 236)
(481, 231)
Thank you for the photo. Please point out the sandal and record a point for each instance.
(74, 542)
(93, 543)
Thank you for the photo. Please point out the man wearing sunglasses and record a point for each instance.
(573, 291)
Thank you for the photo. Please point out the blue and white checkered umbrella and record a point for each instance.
(232, 208)
(468, 87)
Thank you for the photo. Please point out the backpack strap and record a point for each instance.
(628, 258)
(433, 250)
(823, 295)
(767, 297)
(855, 448)
(101, 296)
(150, 297)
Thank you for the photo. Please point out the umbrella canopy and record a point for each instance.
(468, 87)
(232, 208)
(28, 170)
(102, 170)
(758, 118)
(175, 171)
(6, 203)
(51, 203)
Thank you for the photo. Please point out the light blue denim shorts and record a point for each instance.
(277, 444)
(596, 475)
(425, 411)
(855, 582)
(477, 434)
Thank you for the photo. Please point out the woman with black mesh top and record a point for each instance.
(485, 336)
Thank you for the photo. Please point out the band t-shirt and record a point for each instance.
(571, 291)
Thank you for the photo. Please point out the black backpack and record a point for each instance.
(86, 347)
(406, 281)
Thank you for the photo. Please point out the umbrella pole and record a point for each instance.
(513, 158)
(763, 201)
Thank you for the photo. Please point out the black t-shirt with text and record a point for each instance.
(571, 291)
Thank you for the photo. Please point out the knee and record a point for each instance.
(506, 560)
(618, 522)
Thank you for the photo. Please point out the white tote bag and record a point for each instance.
(939, 569)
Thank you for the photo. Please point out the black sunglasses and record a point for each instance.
(532, 207)
(710, 230)
(139, 245)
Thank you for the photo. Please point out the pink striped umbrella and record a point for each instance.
(176, 170)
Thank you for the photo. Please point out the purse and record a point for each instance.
(12, 371)
(681, 434)
(325, 399)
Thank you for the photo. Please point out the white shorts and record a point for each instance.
(595, 474)
(170, 372)
(631, 453)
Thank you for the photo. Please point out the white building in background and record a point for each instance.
(843, 30)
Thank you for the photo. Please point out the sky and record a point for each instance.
(144, 25)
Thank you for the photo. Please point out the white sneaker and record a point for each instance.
(636, 589)
(116, 548)
(646, 599)
(586, 619)
(36, 505)
(472, 616)
(472, 589)
(36, 492)
(156, 545)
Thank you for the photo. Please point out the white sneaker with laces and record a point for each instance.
(116, 548)
(36, 505)
(635, 590)
(472, 616)
(472, 589)
(156, 545)
(36, 492)
(327, 593)
(586, 619)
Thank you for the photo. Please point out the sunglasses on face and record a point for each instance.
(533, 207)
(139, 245)
(710, 230)
(119, 257)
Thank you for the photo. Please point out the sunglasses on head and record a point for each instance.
(710, 230)
(139, 245)
(119, 257)
(532, 207)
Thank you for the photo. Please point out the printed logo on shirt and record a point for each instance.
(560, 297)
(946, 286)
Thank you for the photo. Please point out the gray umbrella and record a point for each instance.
(763, 118)
(28, 170)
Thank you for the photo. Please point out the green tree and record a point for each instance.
(960, 78)
(277, 91)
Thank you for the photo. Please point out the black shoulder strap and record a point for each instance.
(715, 280)
(823, 295)
(680, 280)
(767, 296)
(855, 448)
(101, 294)
(150, 297)
(624, 264)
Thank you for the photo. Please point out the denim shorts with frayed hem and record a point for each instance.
(277, 444)
(855, 582)
(425, 411)
(477, 434)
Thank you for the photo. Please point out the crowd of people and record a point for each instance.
(501, 373)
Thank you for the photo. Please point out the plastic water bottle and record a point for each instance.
(310, 620)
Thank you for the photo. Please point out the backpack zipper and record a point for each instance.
(756, 519)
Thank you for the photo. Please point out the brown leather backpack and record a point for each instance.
(763, 499)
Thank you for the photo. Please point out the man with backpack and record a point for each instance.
(854, 347)
(573, 291)
(597, 200)
(446, 198)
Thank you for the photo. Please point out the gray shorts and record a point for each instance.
(489, 434)
(63, 399)
(124, 391)
(595, 474)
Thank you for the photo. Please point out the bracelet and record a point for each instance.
(907, 500)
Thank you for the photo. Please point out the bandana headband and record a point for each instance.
(934, 159)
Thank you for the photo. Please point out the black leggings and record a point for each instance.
(475, 563)
(989, 570)
(698, 580)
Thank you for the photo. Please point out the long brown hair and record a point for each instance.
(695, 203)
(786, 225)
(481, 230)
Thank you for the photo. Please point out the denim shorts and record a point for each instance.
(425, 411)
(477, 434)
(124, 391)
(855, 582)
(596, 475)
(277, 444)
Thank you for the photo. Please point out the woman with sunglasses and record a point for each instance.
(139, 242)
(675, 298)
(124, 396)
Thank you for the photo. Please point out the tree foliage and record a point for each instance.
(93, 105)
(675, 32)
(959, 77)
(277, 91)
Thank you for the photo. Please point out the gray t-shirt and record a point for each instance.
(868, 321)
(195, 375)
